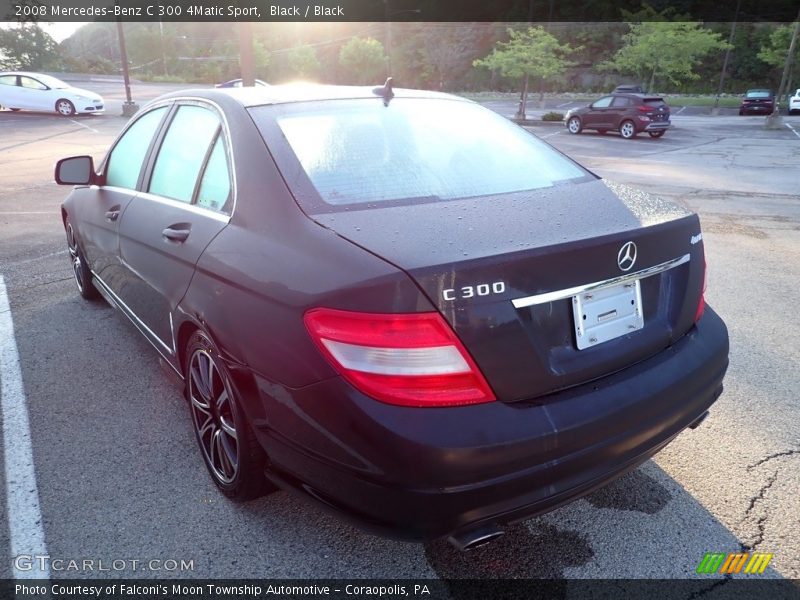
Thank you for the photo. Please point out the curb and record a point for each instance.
(536, 122)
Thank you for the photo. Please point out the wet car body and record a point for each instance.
(559, 416)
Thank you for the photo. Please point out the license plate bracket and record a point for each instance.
(607, 313)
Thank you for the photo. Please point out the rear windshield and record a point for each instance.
(654, 101)
(759, 94)
(356, 152)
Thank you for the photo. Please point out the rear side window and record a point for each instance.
(360, 151)
(622, 102)
(215, 187)
(183, 152)
(125, 162)
(8, 80)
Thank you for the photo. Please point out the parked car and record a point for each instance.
(36, 91)
(794, 102)
(629, 114)
(628, 89)
(237, 83)
(758, 101)
(293, 254)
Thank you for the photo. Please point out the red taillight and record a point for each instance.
(645, 108)
(701, 305)
(406, 359)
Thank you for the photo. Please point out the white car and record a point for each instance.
(794, 102)
(36, 91)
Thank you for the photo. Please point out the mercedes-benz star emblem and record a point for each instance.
(626, 256)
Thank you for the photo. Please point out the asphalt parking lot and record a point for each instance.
(119, 476)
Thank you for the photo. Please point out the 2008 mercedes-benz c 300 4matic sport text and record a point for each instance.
(397, 303)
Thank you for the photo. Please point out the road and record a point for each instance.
(119, 476)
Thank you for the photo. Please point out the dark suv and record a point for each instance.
(627, 113)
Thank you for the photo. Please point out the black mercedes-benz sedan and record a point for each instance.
(397, 303)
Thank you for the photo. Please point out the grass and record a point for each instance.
(672, 100)
(724, 101)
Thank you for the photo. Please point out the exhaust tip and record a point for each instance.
(475, 538)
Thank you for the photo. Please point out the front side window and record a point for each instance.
(32, 84)
(183, 152)
(125, 162)
(603, 102)
(414, 150)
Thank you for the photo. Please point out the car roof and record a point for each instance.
(305, 92)
(636, 95)
(27, 73)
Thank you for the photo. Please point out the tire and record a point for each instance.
(627, 130)
(574, 125)
(80, 268)
(656, 134)
(65, 108)
(233, 457)
(14, 109)
(741, 113)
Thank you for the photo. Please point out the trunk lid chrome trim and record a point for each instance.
(569, 292)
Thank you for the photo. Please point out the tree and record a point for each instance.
(671, 50)
(363, 59)
(303, 61)
(528, 53)
(447, 50)
(776, 51)
(27, 46)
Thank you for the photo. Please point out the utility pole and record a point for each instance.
(523, 95)
(715, 110)
(129, 107)
(246, 53)
(774, 121)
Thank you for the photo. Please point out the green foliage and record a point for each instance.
(774, 52)
(532, 52)
(363, 60)
(303, 62)
(27, 46)
(668, 50)
(553, 116)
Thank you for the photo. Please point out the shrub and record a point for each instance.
(553, 116)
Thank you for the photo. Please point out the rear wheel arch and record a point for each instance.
(182, 337)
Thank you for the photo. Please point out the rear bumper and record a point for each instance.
(419, 474)
(658, 126)
(764, 109)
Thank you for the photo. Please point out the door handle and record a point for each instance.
(175, 234)
(112, 214)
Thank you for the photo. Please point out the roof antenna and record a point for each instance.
(385, 91)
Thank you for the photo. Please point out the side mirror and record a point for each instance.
(75, 170)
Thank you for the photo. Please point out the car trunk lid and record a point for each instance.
(474, 257)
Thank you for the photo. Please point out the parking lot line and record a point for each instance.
(86, 126)
(26, 533)
(794, 131)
